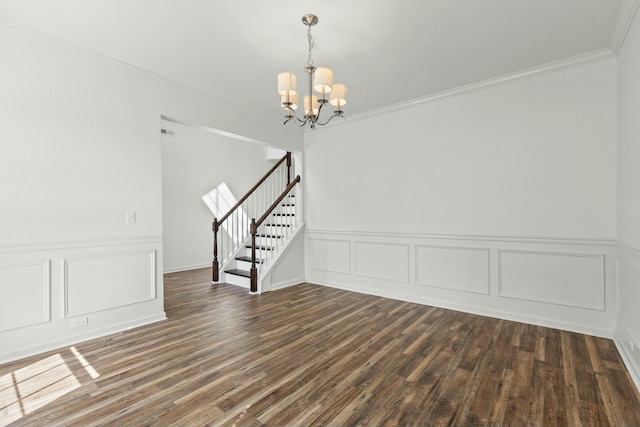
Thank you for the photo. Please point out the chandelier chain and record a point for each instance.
(312, 45)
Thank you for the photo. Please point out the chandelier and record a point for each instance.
(320, 81)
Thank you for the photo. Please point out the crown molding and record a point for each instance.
(628, 11)
(574, 61)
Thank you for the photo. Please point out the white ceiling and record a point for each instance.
(387, 52)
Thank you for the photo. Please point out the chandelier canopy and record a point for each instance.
(320, 80)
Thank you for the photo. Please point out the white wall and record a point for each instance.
(80, 147)
(499, 200)
(628, 320)
(193, 163)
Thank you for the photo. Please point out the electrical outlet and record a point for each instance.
(632, 345)
(77, 323)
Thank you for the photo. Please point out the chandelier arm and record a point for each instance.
(300, 123)
(329, 119)
(292, 115)
(320, 109)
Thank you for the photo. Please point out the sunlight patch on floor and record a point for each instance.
(32, 387)
(86, 365)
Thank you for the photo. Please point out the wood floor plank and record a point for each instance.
(313, 355)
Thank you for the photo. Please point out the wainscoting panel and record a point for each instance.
(627, 337)
(574, 280)
(380, 260)
(558, 282)
(629, 279)
(54, 294)
(331, 255)
(108, 281)
(460, 269)
(25, 291)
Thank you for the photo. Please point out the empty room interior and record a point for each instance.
(320, 212)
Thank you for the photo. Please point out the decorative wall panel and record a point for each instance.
(329, 255)
(460, 269)
(25, 290)
(380, 260)
(575, 280)
(109, 281)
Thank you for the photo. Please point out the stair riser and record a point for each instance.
(274, 231)
(287, 209)
(246, 265)
(232, 279)
(266, 241)
(280, 216)
(243, 265)
(259, 254)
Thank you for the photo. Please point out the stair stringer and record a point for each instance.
(264, 272)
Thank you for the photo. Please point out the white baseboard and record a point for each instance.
(627, 358)
(514, 317)
(288, 283)
(93, 334)
(186, 268)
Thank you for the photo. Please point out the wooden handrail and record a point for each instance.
(286, 157)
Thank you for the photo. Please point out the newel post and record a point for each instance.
(254, 270)
(214, 264)
(288, 167)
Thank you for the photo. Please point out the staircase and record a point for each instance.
(269, 240)
(250, 247)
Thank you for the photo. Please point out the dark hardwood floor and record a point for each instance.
(311, 355)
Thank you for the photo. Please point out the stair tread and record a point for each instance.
(284, 214)
(270, 235)
(247, 258)
(278, 225)
(239, 272)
